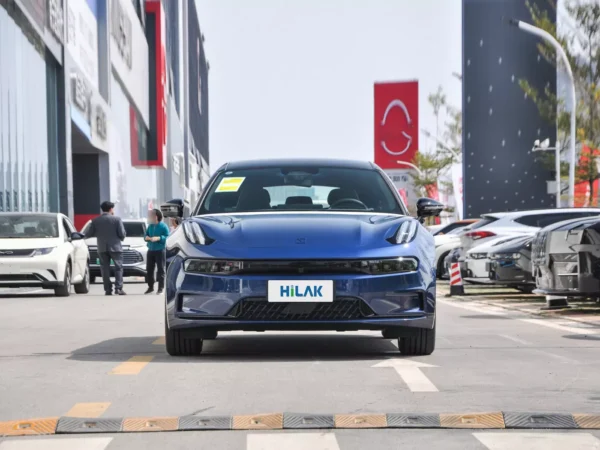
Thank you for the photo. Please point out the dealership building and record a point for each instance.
(101, 100)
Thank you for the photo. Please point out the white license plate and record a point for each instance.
(299, 291)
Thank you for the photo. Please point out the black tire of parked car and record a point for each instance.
(525, 289)
(65, 289)
(84, 286)
(420, 344)
(441, 267)
(177, 345)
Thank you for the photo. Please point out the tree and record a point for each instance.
(434, 164)
(582, 46)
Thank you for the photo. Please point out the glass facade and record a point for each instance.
(135, 190)
(24, 184)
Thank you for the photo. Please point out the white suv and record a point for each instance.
(135, 249)
(497, 225)
(42, 250)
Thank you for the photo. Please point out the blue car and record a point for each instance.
(300, 245)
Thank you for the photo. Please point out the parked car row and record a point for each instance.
(44, 250)
(498, 248)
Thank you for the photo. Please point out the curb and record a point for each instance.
(292, 421)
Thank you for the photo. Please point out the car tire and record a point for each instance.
(441, 266)
(177, 345)
(84, 286)
(420, 344)
(525, 289)
(65, 289)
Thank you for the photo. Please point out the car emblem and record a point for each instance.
(6, 252)
(300, 240)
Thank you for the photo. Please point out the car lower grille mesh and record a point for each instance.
(129, 256)
(340, 309)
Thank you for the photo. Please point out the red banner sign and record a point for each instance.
(396, 123)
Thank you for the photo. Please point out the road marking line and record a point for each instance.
(410, 372)
(95, 443)
(90, 410)
(538, 441)
(481, 309)
(515, 339)
(292, 441)
(551, 324)
(132, 366)
(159, 341)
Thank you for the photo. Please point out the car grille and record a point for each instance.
(12, 253)
(129, 256)
(345, 308)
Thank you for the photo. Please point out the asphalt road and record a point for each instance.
(97, 356)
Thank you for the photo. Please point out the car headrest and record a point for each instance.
(337, 194)
(253, 199)
(298, 200)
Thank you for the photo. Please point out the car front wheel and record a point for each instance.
(84, 286)
(65, 289)
(177, 345)
(421, 343)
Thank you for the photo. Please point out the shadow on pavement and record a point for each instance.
(583, 337)
(250, 347)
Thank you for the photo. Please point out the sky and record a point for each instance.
(295, 78)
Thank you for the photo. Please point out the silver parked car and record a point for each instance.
(495, 225)
(134, 250)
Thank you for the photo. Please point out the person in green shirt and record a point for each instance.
(156, 238)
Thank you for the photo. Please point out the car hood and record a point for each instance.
(130, 241)
(513, 245)
(446, 239)
(299, 229)
(24, 243)
(494, 244)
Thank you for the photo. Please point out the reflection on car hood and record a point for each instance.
(513, 245)
(492, 245)
(291, 229)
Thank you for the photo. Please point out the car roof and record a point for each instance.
(532, 212)
(298, 162)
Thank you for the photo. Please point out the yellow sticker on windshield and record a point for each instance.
(230, 184)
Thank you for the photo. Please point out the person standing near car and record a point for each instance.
(156, 237)
(109, 231)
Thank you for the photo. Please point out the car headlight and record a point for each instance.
(194, 234)
(406, 232)
(478, 255)
(42, 251)
(511, 256)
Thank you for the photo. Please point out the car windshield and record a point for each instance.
(312, 188)
(28, 227)
(134, 229)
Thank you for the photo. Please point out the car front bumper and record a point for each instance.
(208, 303)
(134, 262)
(44, 271)
(509, 272)
(476, 268)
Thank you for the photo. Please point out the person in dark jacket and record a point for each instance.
(156, 237)
(109, 231)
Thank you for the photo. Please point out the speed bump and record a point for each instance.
(590, 421)
(360, 421)
(258, 422)
(482, 420)
(307, 421)
(76, 425)
(413, 420)
(31, 427)
(205, 423)
(538, 420)
(151, 424)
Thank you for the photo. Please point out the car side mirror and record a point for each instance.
(428, 207)
(173, 208)
(76, 236)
